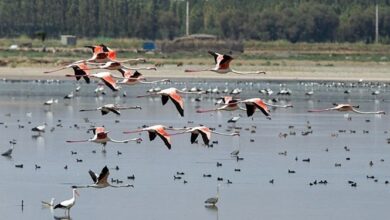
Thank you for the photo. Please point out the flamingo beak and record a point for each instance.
(77, 193)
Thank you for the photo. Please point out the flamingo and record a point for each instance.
(68, 204)
(106, 77)
(205, 132)
(102, 54)
(101, 137)
(222, 62)
(231, 105)
(173, 94)
(100, 181)
(80, 70)
(115, 65)
(253, 103)
(213, 200)
(345, 108)
(153, 131)
(105, 109)
(136, 78)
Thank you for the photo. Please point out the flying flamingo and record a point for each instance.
(345, 108)
(100, 181)
(173, 94)
(68, 204)
(205, 132)
(106, 77)
(253, 103)
(115, 65)
(136, 78)
(80, 70)
(153, 131)
(231, 105)
(222, 62)
(101, 137)
(105, 109)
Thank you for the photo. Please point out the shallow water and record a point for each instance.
(156, 195)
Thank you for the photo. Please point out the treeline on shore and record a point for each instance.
(264, 20)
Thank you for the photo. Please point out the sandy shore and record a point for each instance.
(293, 71)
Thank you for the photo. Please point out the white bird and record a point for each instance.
(40, 129)
(100, 181)
(213, 200)
(234, 119)
(49, 102)
(68, 204)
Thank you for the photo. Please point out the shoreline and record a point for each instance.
(343, 73)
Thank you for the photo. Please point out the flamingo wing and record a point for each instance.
(262, 106)
(108, 80)
(152, 135)
(93, 176)
(194, 136)
(206, 135)
(136, 74)
(164, 99)
(250, 109)
(164, 136)
(104, 174)
(178, 101)
(215, 55)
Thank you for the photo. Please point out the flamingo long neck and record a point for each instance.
(126, 61)
(184, 92)
(156, 81)
(278, 106)
(148, 95)
(249, 72)
(318, 110)
(54, 70)
(360, 112)
(119, 141)
(132, 132)
(195, 71)
(206, 110)
(224, 134)
(78, 141)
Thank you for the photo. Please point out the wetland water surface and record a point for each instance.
(335, 139)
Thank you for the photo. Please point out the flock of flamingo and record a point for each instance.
(105, 58)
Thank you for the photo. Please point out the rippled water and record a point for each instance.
(156, 195)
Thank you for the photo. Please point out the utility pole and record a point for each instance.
(188, 18)
(376, 24)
